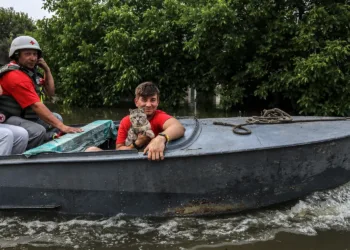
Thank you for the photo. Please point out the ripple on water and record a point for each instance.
(328, 210)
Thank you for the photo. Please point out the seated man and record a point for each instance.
(13, 139)
(164, 126)
(22, 91)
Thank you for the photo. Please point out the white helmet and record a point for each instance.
(24, 42)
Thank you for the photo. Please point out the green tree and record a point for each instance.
(102, 50)
(12, 24)
(285, 52)
(312, 70)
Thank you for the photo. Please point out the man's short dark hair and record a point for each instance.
(146, 89)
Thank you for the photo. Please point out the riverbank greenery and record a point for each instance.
(287, 53)
(12, 24)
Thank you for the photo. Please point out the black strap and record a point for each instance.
(135, 146)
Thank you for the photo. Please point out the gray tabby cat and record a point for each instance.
(139, 124)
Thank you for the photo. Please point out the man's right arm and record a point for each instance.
(123, 147)
(46, 115)
(141, 141)
(24, 93)
(0, 90)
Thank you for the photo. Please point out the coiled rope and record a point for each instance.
(270, 116)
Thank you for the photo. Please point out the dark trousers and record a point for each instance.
(39, 132)
(36, 131)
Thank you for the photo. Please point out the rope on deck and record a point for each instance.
(270, 116)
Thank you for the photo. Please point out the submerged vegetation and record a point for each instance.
(285, 53)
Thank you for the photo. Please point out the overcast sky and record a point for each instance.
(32, 7)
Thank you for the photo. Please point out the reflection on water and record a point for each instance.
(322, 213)
(86, 115)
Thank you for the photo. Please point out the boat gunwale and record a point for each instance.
(48, 156)
(114, 155)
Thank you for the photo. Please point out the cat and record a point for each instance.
(139, 124)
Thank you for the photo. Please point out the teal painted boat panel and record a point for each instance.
(94, 134)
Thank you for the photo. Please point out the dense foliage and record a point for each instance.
(12, 24)
(288, 52)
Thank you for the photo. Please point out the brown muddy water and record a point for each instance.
(319, 221)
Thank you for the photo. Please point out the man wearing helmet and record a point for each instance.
(22, 91)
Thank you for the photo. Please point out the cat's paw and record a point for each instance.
(128, 143)
(150, 134)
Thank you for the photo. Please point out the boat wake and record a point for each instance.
(321, 211)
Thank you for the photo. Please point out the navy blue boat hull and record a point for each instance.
(110, 182)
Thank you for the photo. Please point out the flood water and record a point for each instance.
(318, 221)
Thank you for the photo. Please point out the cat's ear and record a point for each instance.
(142, 111)
(130, 110)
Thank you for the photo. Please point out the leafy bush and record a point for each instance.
(295, 52)
(12, 24)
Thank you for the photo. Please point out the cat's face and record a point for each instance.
(138, 117)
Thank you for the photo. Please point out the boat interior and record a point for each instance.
(101, 133)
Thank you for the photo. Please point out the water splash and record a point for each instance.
(328, 210)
